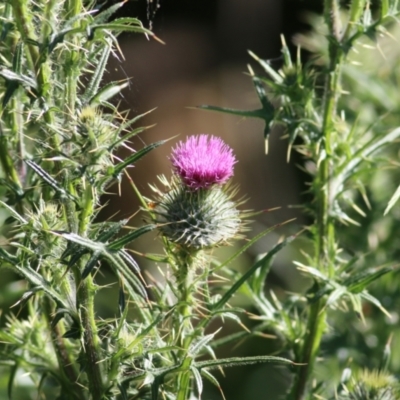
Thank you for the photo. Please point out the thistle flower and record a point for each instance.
(198, 211)
(203, 161)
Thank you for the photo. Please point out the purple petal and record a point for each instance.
(202, 161)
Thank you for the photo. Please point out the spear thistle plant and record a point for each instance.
(195, 214)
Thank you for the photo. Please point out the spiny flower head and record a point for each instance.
(203, 161)
(198, 219)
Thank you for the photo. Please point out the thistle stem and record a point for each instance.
(67, 367)
(184, 326)
(85, 298)
(324, 238)
(90, 339)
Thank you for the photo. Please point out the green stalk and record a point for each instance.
(69, 373)
(37, 61)
(40, 68)
(184, 326)
(324, 238)
(91, 343)
(7, 163)
(85, 299)
(74, 7)
(356, 9)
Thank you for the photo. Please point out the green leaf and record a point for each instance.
(359, 282)
(260, 263)
(12, 375)
(196, 347)
(12, 86)
(365, 295)
(198, 380)
(393, 200)
(246, 246)
(7, 257)
(347, 169)
(211, 378)
(17, 216)
(12, 76)
(49, 179)
(130, 237)
(98, 73)
(111, 230)
(120, 261)
(266, 113)
(90, 265)
(39, 283)
(125, 126)
(138, 339)
(136, 156)
(236, 361)
(108, 12)
(107, 92)
(268, 69)
(116, 26)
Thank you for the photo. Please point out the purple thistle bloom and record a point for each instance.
(203, 161)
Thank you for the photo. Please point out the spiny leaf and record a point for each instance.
(359, 282)
(236, 361)
(12, 86)
(246, 246)
(375, 301)
(233, 289)
(107, 92)
(105, 15)
(130, 237)
(136, 156)
(90, 265)
(17, 216)
(212, 379)
(198, 379)
(48, 179)
(111, 230)
(5, 256)
(123, 26)
(12, 375)
(98, 73)
(196, 347)
(393, 200)
(12, 76)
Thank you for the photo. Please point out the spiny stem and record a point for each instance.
(91, 342)
(38, 62)
(184, 326)
(324, 236)
(6, 161)
(68, 371)
(71, 66)
(85, 298)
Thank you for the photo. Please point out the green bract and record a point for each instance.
(198, 219)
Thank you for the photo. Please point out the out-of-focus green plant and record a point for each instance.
(340, 111)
